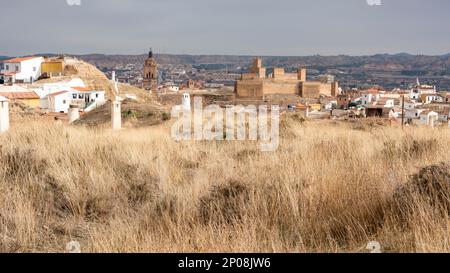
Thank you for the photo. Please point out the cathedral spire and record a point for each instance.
(150, 53)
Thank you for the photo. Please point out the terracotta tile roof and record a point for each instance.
(18, 60)
(8, 74)
(426, 87)
(82, 89)
(20, 95)
(371, 91)
(56, 94)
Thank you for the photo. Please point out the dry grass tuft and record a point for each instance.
(224, 203)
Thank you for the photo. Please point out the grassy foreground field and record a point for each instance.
(329, 188)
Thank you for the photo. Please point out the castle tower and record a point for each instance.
(258, 69)
(150, 73)
(302, 75)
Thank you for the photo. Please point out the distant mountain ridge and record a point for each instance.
(402, 59)
(436, 65)
(381, 62)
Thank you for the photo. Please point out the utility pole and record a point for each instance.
(403, 110)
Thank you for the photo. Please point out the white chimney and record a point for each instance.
(73, 113)
(116, 115)
(186, 101)
(4, 115)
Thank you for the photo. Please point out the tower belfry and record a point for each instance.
(150, 73)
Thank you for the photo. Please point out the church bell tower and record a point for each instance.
(150, 73)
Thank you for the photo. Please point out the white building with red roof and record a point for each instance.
(421, 89)
(85, 98)
(21, 70)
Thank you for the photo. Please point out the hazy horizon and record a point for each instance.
(292, 28)
(231, 55)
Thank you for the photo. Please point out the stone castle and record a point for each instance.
(256, 85)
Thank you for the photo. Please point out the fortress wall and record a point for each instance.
(291, 76)
(249, 89)
(281, 87)
(315, 89)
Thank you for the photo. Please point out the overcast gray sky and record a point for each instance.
(244, 27)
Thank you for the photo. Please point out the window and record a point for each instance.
(6, 67)
(80, 96)
(64, 101)
(96, 95)
(34, 69)
(74, 96)
(17, 68)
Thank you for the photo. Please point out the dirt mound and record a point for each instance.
(431, 185)
(21, 109)
(134, 115)
(93, 78)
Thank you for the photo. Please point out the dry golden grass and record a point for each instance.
(328, 188)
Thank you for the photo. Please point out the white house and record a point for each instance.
(429, 98)
(443, 98)
(411, 114)
(409, 105)
(58, 102)
(50, 88)
(54, 87)
(21, 70)
(385, 102)
(429, 118)
(86, 100)
(370, 96)
(420, 89)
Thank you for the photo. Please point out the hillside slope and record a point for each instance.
(95, 79)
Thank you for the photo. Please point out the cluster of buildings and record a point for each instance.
(421, 105)
(323, 98)
(18, 83)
